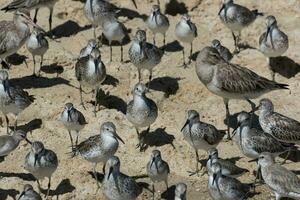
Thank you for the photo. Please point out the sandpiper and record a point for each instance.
(119, 186)
(200, 135)
(281, 181)
(13, 34)
(99, 148)
(281, 127)
(113, 30)
(90, 71)
(223, 51)
(32, 4)
(73, 120)
(223, 187)
(228, 168)
(12, 99)
(180, 191)
(87, 50)
(186, 32)
(144, 55)
(41, 163)
(273, 42)
(37, 45)
(29, 194)
(141, 111)
(236, 18)
(157, 170)
(231, 81)
(158, 23)
(10, 143)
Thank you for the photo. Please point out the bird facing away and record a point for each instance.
(186, 32)
(231, 81)
(37, 45)
(141, 111)
(221, 187)
(73, 120)
(13, 34)
(252, 142)
(32, 4)
(9, 143)
(12, 99)
(41, 163)
(29, 194)
(227, 167)
(273, 42)
(157, 170)
(157, 23)
(119, 186)
(281, 127)
(90, 71)
(180, 191)
(113, 30)
(99, 148)
(200, 135)
(223, 51)
(236, 18)
(86, 51)
(143, 55)
(280, 180)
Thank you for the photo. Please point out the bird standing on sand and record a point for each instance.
(9, 143)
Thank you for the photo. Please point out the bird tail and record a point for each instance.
(257, 13)
(283, 86)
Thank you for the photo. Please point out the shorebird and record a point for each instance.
(231, 81)
(281, 127)
(113, 30)
(280, 180)
(119, 186)
(200, 135)
(41, 163)
(29, 194)
(158, 23)
(37, 45)
(223, 51)
(221, 187)
(32, 4)
(252, 142)
(96, 11)
(90, 71)
(157, 170)
(86, 51)
(13, 34)
(73, 120)
(144, 55)
(9, 143)
(228, 168)
(141, 111)
(99, 148)
(12, 99)
(236, 18)
(180, 191)
(273, 42)
(186, 32)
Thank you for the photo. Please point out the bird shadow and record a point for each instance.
(23, 176)
(194, 56)
(157, 138)
(233, 121)
(30, 126)
(131, 14)
(233, 159)
(53, 68)
(63, 187)
(284, 66)
(173, 7)
(67, 29)
(111, 101)
(172, 46)
(168, 85)
(296, 172)
(100, 177)
(110, 80)
(16, 59)
(4, 194)
(294, 155)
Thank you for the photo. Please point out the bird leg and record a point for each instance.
(226, 102)
(237, 49)
(154, 39)
(95, 36)
(81, 100)
(49, 186)
(183, 57)
(95, 174)
(191, 53)
(153, 191)
(96, 100)
(41, 64)
(16, 123)
(122, 60)
(77, 135)
(139, 75)
(164, 40)
(34, 63)
(71, 139)
(110, 48)
(197, 165)
(7, 124)
(270, 68)
(35, 15)
(50, 19)
(150, 78)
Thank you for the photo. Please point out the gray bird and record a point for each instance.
(29, 194)
(157, 170)
(180, 191)
(223, 51)
(9, 143)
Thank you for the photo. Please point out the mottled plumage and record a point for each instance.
(223, 51)
(87, 50)
(9, 143)
(29, 194)
(180, 191)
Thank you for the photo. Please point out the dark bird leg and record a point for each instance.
(237, 49)
(191, 53)
(122, 60)
(77, 135)
(95, 174)
(7, 124)
(35, 15)
(41, 64)
(139, 75)
(154, 42)
(81, 99)
(164, 40)
(49, 186)
(71, 139)
(226, 101)
(50, 19)
(183, 57)
(271, 70)
(110, 47)
(150, 78)
(34, 63)
(96, 101)
(16, 123)
(153, 191)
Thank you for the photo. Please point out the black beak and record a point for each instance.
(190, 24)
(209, 158)
(223, 6)
(186, 123)
(234, 130)
(22, 194)
(255, 109)
(28, 141)
(110, 171)
(134, 3)
(35, 159)
(119, 138)
(69, 115)
(214, 178)
(152, 161)
(253, 160)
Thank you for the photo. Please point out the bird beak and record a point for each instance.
(28, 141)
(134, 3)
(35, 159)
(29, 21)
(253, 160)
(22, 194)
(186, 123)
(110, 171)
(234, 130)
(223, 6)
(152, 161)
(255, 109)
(209, 158)
(214, 178)
(69, 115)
(189, 23)
(119, 138)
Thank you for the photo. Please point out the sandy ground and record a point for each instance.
(174, 89)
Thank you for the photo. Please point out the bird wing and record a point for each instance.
(51, 158)
(20, 96)
(80, 66)
(88, 144)
(16, 4)
(4, 26)
(81, 118)
(209, 133)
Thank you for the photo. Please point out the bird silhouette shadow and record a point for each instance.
(111, 101)
(173, 7)
(172, 46)
(53, 68)
(194, 56)
(67, 29)
(167, 84)
(294, 155)
(296, 172)
(23, 176)
(4, 194)
(131, 14)
(100, 177)
(30, 126)
(157, 138)
(233, 159)
(16, 59)
(110, 80)
(63, 187)
(284, 66)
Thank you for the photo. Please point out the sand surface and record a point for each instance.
(174, 89)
